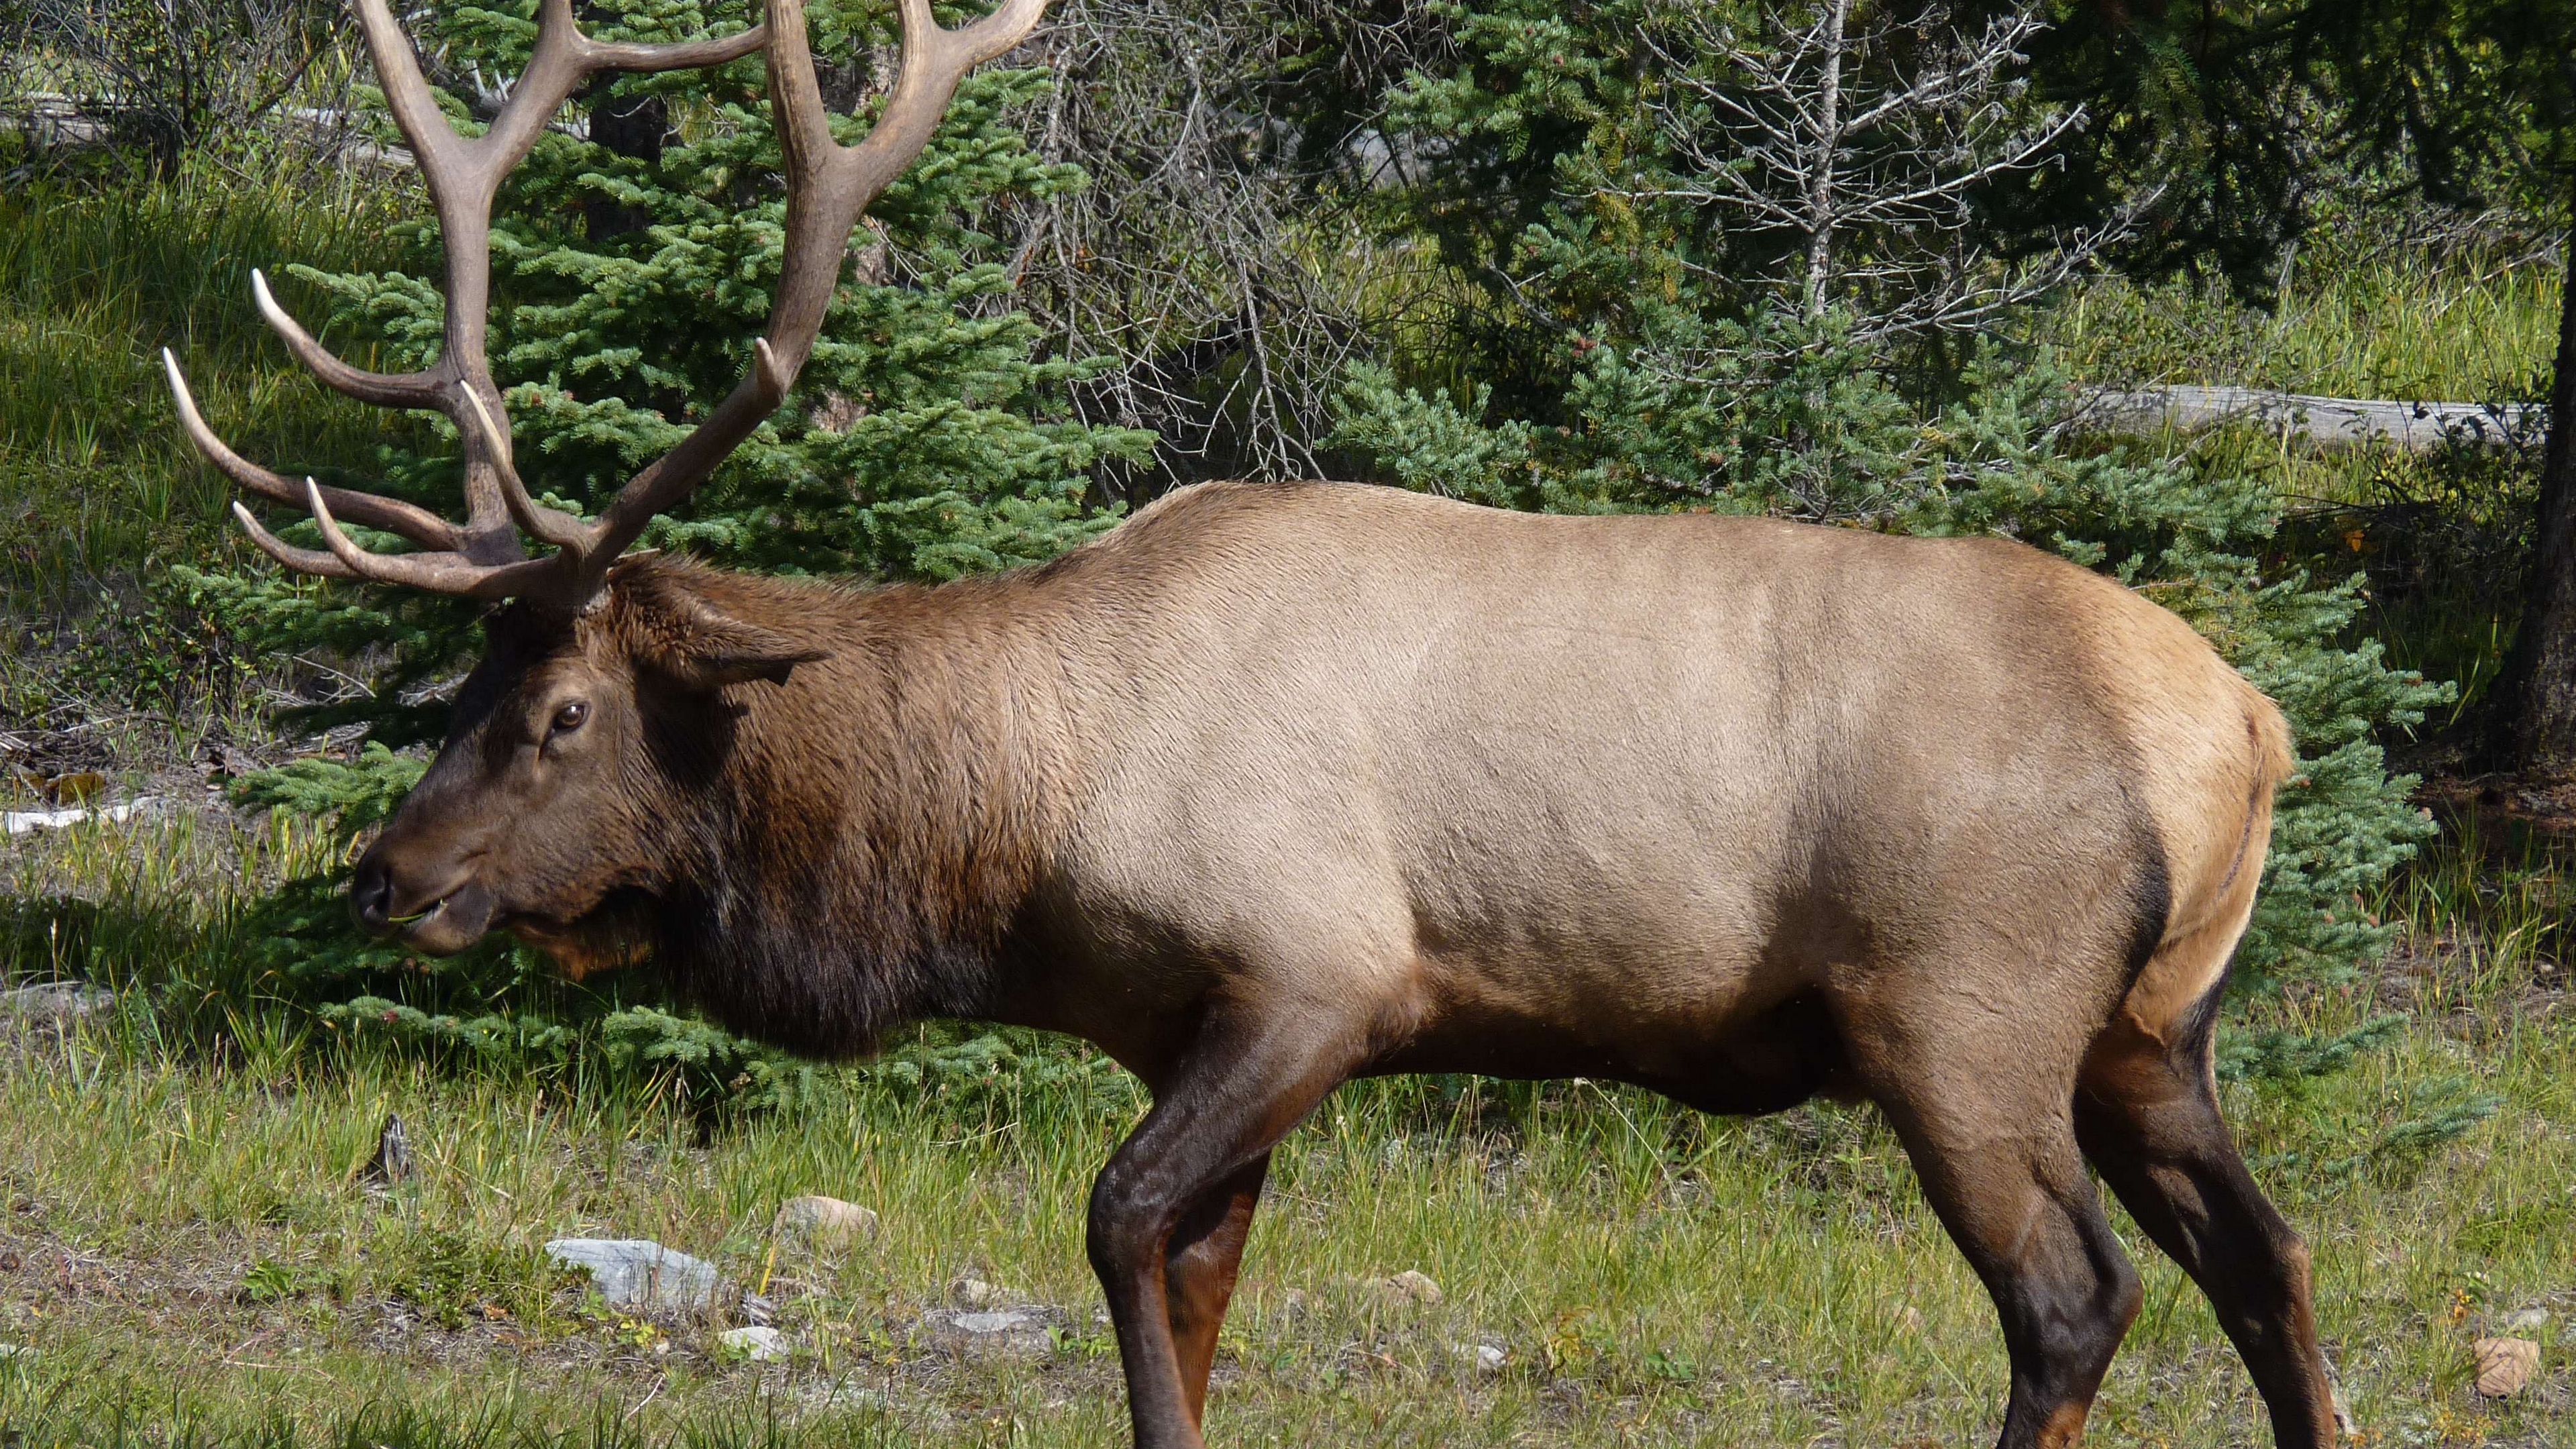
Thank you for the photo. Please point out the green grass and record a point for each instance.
(193, 1244)
(94, 475)
(2379, 325)
(2444, 536)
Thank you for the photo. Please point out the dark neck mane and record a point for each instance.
(876, 825)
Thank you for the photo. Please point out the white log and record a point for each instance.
(2335, 422)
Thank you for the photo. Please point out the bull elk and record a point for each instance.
(1278, 786)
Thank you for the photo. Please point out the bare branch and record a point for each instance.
(1864, 156)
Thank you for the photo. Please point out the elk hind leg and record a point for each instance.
(2147, 1115)
(1995, 1149)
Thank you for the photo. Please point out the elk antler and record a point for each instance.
(829, 186)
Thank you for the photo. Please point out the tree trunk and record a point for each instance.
(2540, 676)
(631, 126)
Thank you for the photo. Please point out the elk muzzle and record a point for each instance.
(440, 910)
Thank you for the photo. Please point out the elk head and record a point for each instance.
(547, 806)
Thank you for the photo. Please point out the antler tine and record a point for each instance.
(829, 186)
(384, 389)
(934, 66)
(562, 59)
(439, 573)
(685, 55)
(417, 524)
(548, 524)
(442, 572)
(302, 560)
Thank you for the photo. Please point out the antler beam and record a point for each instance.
(829, 186)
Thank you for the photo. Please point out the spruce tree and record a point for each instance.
(634, 252)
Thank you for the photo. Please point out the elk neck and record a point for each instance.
(876, 827)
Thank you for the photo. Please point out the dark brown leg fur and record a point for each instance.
(1199, 1269)
(1169, 1212)
(2148, 1118)
(1981, 1102)
(2026, 1217)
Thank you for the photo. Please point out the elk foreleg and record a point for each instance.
(1170, 1211)
(1199, 1267)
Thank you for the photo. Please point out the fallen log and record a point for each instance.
(2415, 427)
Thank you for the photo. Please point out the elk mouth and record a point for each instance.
(453, 921)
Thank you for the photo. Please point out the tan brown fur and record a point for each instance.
(1276, 786)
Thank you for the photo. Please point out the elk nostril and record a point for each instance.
(371, 895)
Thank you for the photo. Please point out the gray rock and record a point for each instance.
(9, 1351)
(1412, 1286)
(52, 1003)
(19, 822)
(972, 1292)
(825, 1222)
(758, 1343)
(844, 1396)
(2529, 1320)
(1008, 1333)
(639, 1272)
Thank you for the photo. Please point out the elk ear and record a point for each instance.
(699, 647)
(737, 654)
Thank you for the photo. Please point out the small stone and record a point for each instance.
(1008, 1333)
(973, 1292)
(2505, 1365)
(1484, 1359)
(639, 1272)
(759, 1344)
(1414, 1287)
(392, 1162)
(19, 822)
(826, 1222)
(2528, 1321)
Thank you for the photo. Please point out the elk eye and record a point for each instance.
(569, 718)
